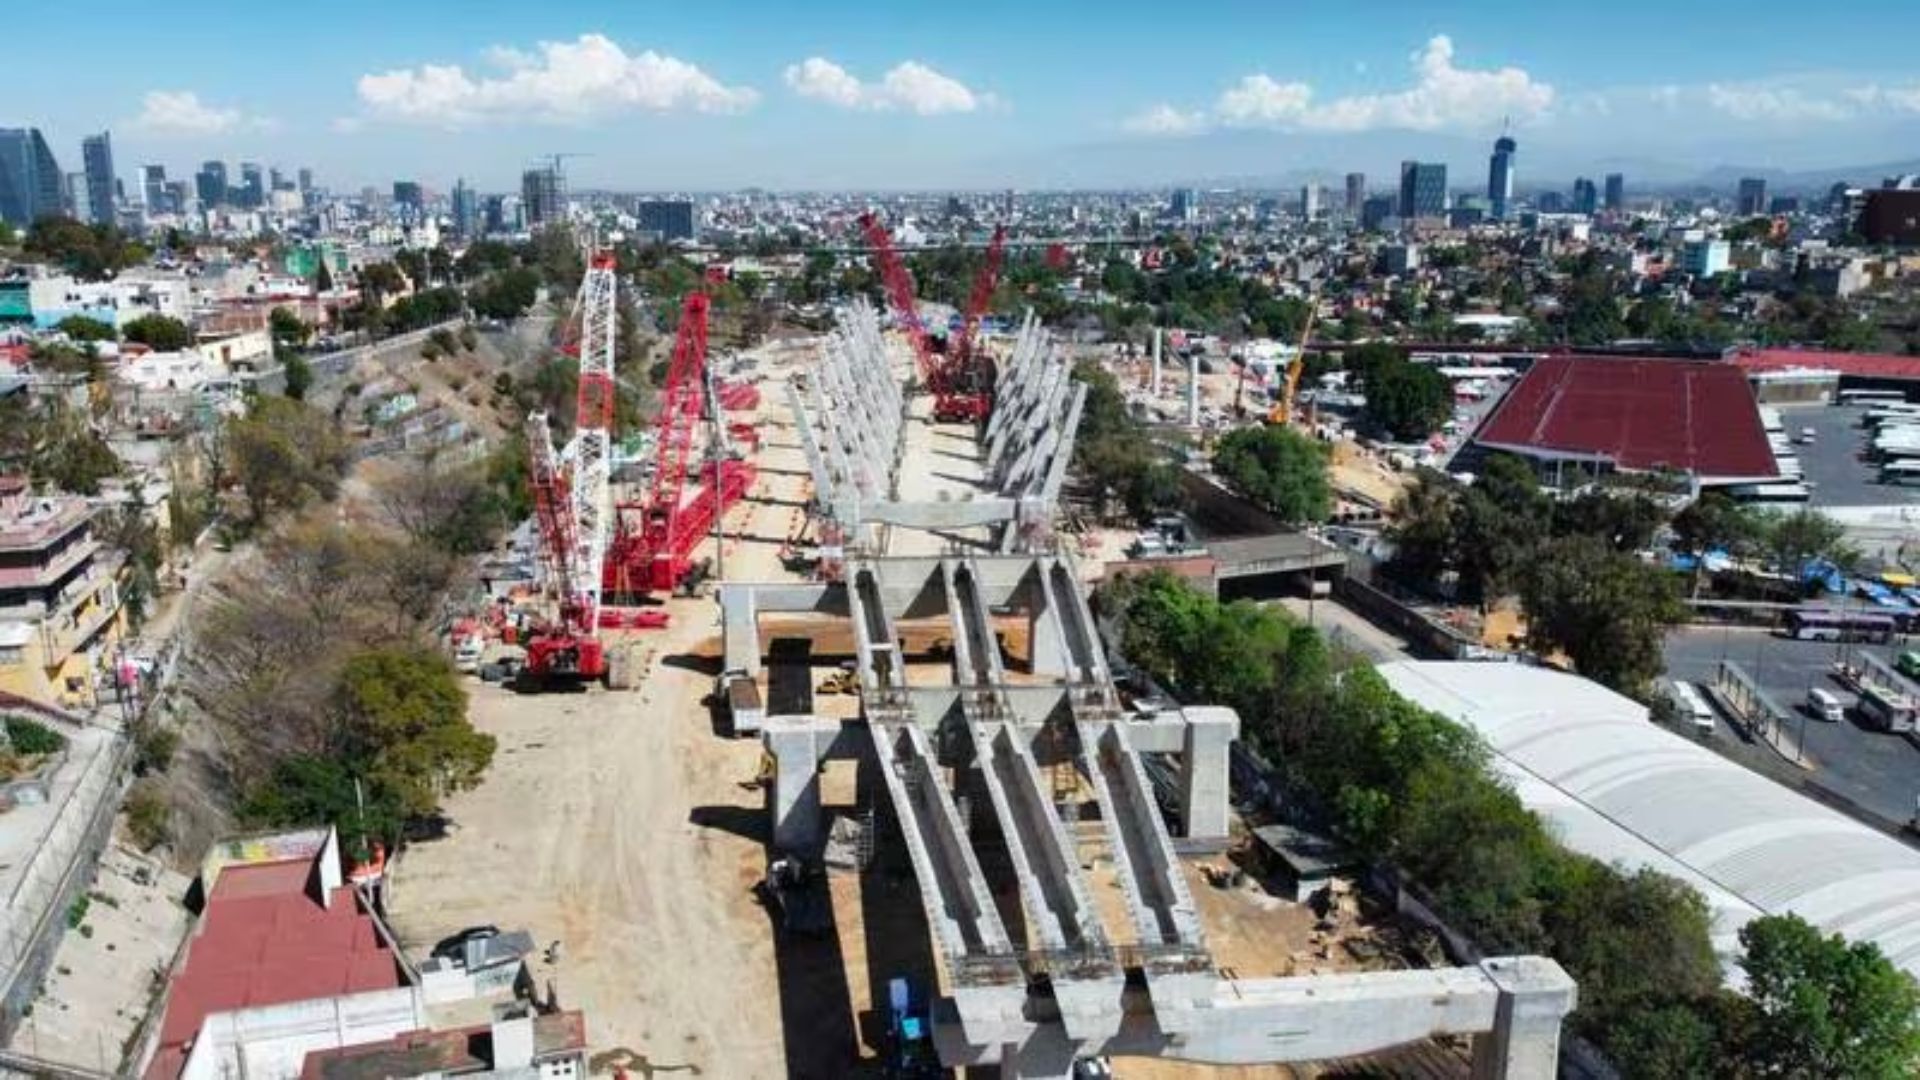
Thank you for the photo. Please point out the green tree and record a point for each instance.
(1792, 539)
(1502, 517)
(287, 328)
(1715, 522)
(404, 717)
(81, 328)
(317, 789)
(1607, 610)
(283, 452)
(1408, 401)
(160, 333)
(1424, 526)
(1827, 1007)
(1625, 520)
(298, 375)
(1279, 469)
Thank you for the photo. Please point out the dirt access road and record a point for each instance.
(612, 823)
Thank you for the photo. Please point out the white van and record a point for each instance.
(1691, 705)
(1823, 705)
(466, 654)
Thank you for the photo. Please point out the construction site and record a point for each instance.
(817, 765)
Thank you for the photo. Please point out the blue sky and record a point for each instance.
(824, 93)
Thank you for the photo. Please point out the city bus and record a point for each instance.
(1871, 397)
(1788, 494)
(1827, 624)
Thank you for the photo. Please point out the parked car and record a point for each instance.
(454, 947)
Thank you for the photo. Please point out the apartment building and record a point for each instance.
(59, 602)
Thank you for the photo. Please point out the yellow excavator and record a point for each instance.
(1282, 411)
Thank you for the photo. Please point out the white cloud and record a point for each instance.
(910, 86)
(181, 112)
(1164, 119)
(1442, 96)
(559, 82)
(1901, 98)
(1258, 99)
(1772, 103)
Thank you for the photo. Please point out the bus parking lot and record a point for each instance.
(1835, 462)
(1879, 772)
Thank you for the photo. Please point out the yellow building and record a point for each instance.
(59, 603)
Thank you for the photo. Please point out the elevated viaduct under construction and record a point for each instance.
(1033, 741)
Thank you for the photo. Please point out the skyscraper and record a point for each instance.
(1423, 189)
(1616, 192)
(1375, 211)
(1586, 197)
(1185, 205)
(153, 188)
(306, 179)
(1309, 201)
(543, 195)
(668, 219)
(1753, 196)
(1356, 193)
(96, 156)
(495, 216)
(466, 211)
(1500, 177)
(253, 185)
(210, 183)
(30, 180)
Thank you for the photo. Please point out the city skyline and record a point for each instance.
(852, 95)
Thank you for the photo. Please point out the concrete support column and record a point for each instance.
(797, 744)
(1204, 783)
(1193, 390)
(1535, 996)
(1046, 638)
(1156, 363)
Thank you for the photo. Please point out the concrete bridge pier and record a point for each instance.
(1524, 1043)
(798, 745)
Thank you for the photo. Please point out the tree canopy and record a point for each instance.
(160, 333)
(283, 452)
(1279, 469)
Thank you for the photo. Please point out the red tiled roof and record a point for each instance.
(1865, 365)
(266, 940)
(1640, 414)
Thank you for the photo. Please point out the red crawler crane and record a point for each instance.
(653, 546)
(960, 387)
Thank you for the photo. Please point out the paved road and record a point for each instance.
(1880, 772)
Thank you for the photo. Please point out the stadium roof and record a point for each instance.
(1638, 414)
(1617, 787)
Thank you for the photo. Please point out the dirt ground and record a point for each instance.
(616, 823)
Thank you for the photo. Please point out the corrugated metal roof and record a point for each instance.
(1625, 790)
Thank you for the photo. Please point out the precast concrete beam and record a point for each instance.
(972, 616)
(1086, 982)
(1163, 911)
(874, 636)
(1302, 1019)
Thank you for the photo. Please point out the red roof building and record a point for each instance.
(273, 932)
(1858, 365)
(1635, 415)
